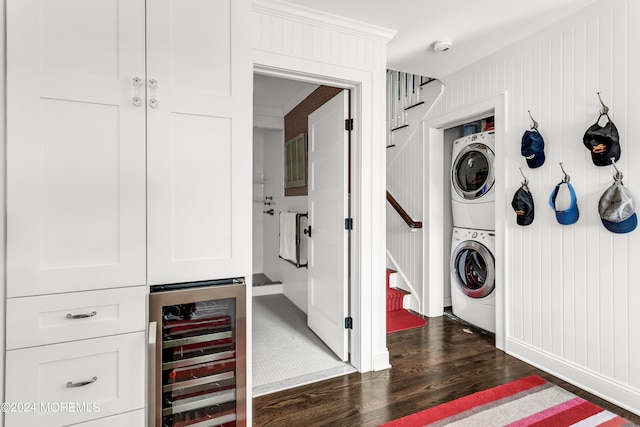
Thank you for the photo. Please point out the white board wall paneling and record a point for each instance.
(633, 182)
(571, 288)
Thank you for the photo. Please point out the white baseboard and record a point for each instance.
(613, 391)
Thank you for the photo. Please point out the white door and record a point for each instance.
(328, 208)
(199, 84)
(75, 145)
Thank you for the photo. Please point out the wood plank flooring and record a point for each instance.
(431, 365)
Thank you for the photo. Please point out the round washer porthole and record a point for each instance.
(473, 269)
(472, 172)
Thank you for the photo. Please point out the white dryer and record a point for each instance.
(473, 297)
(472, 181)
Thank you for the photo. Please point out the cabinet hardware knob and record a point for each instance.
(137, 84)
(81, 383)
(81, 316)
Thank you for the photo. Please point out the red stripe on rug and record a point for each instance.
(401, 320)
(529, 421)
(462, 404)
(614, 422)
(570, 415)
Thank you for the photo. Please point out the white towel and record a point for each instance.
(288, 236)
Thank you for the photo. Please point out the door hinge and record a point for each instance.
(348, 124)
(348, 223)
(348, 323)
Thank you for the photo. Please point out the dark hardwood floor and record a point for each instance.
(431, 365)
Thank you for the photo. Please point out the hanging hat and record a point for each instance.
(533, 148)
(617, 209)
(522, 204)
(571, 214)
(603, 142)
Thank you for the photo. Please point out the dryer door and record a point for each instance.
(472, 173)
(473, 269)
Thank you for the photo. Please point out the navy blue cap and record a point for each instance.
(571, 214)
(533, 148)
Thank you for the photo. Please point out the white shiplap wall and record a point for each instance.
(405, 168)
(572, 292)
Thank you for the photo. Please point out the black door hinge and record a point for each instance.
(348, 323)
(348, 223)
(348, 124)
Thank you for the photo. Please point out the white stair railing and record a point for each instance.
(403, 93)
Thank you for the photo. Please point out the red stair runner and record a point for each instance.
(399, 319)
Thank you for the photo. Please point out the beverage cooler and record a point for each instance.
(197, 354)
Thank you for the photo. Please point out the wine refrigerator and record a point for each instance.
(197, 354)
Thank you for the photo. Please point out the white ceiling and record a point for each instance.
(477, 28)
(275, 97)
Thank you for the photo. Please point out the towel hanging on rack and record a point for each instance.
(288, 236)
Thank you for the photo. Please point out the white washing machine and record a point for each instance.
(472, 181)
(473, 297)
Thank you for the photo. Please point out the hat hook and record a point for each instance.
(535, 124)
(618, 176)
(605, 109)
(566, 178)
(526, 181)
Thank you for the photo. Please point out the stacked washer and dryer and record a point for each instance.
(473, 238)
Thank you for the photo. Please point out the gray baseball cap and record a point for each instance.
(617, 209)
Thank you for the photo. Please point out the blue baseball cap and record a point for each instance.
(569, 215)
(617, 209)
(533, 148)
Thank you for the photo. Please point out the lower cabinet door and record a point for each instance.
(61, 384)
(130, 419)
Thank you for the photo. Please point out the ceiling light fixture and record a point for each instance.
(442, 45)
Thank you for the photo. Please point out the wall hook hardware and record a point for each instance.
(535, 124)
(605, 109)
(566, 177)
(618, 176)
(526, 181)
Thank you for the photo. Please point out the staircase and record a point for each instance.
(398, 318)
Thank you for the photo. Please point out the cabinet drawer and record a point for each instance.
(130, 419)
(50, 319)
(50, 379)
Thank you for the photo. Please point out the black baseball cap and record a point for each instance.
(603, 142)
(522, 204)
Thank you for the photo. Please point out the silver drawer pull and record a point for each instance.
(82, 383)
(81, 316)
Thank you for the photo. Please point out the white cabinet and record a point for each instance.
(75, 146)
(128, 164)
(76, 381)
(106, 190)
(199, 140)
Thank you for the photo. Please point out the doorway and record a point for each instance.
(281, 296)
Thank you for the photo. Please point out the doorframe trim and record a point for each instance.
(360, 305)
(434, 182)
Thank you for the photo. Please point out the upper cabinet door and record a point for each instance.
(75, 145)
(199, 83)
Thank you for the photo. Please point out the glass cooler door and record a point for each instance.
(200, 373)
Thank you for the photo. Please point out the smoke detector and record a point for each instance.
(442, 45)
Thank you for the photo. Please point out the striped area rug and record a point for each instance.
(530, 401)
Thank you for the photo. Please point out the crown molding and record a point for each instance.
(305, 15)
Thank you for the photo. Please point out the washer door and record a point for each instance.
(473, 269)
(472, 171)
